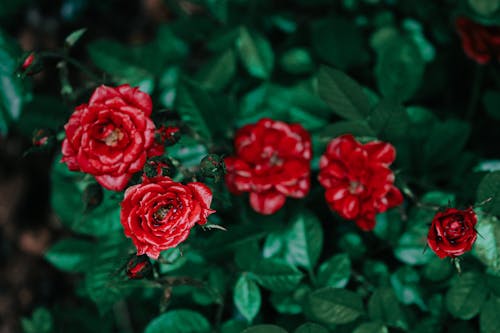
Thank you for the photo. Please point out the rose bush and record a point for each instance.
(357, 179)
(112, 136)
(452, 232)
(159, 213)
(271, 163)
(302, 123)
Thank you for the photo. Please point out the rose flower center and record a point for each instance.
(162, 212)
(355, 187)
(455, 228)
(113, 138)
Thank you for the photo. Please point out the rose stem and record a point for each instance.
(123, 317)
(476, 89)
(74, 62)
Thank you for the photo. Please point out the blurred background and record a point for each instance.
(27, 225)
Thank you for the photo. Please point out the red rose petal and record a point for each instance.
(268, 202)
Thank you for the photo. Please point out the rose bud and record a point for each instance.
(479, 42)
(358, 181)
(159, 213)
(92, 195)
(112, 136)
(158, 166)
(139, 267)
(30, 65)
(271, 162)
(43, 138)
(212, 166)
(168, 136)
(28, 61)
(452, 232)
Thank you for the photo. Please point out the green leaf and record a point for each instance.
(13, 90)
(339, 42)
(73, 37)
(428, 325)
(233, 326)
(304, 240)
(255, 53)
(290, 302)
(310, 328)
(484, 7)
(405, 282)
(170, 47)
(276, 275)
(437, 269)
(70, 255)
(68, 205)
(219, 8)
(40, 322)
(12, 96)
(297, 61)
(354, 127)
(179, 321)
(371, 328)
(263, 329)
(290, 104)
(412, 246)
(205, 113)
(344, 95)
(218, 72)
(491, 101)
(489, 321)
(118, 60)
(389, 120)
(334, 306)
(446, 140)
(399, 69)
(466, 295)
(335, 272)
(43, 111)
(247, 297)
(353, 245)
(489, 189)
(487, 245)
(103, 284)
(227, 242)
(384, 306)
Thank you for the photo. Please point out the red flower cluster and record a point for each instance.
(480, 42)
(452, 232)
(159, 213)
(357, 179)
(272, 162)
(112, 136)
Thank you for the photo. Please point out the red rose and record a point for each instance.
(159, 213)
(357, 179)
(479, 42)
(452, 232)
(111, 136)
(272, 163)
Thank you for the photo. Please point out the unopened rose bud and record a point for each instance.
(42, 138)
(139, 267)
(30, 65)
(92, 195)
(212, 166)
(168, 135)
(28, 61)
(158, 166)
